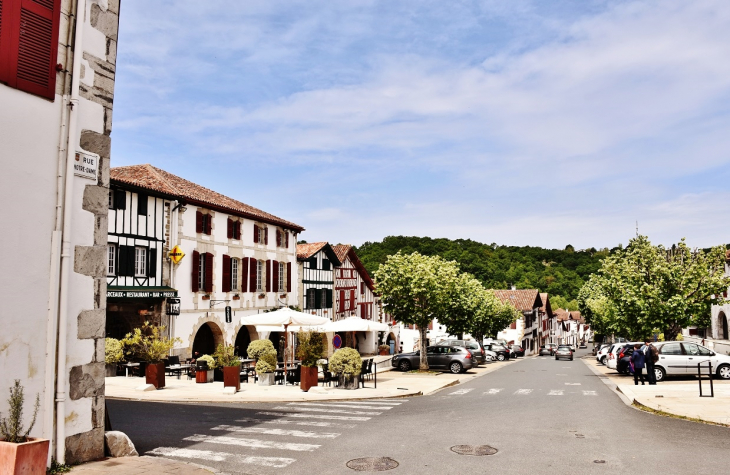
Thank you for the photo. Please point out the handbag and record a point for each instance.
(631, 365)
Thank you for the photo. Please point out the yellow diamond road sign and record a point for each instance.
(176, 254)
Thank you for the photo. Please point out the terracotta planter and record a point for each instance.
(28, 458)
(309, 378)
(232, 377)
(384, 352)
(155, 374)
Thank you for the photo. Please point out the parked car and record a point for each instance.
(624, 357)
(548, 349)
(682, 357)
(602, 354)
(612, 353)
(452, 358)
(516, 351)
(476, 350)
(501, 351)
(564, 351)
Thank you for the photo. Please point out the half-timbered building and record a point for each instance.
(317, 262)
(525, 330)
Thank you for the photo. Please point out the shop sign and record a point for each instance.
(176, 254)
(173, 306)
(141, 294)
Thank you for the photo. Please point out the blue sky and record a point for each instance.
(517, 122)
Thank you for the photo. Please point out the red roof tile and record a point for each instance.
(344, 251)
(523, 300)
(154, 179)
(305, 251)
(562, 314)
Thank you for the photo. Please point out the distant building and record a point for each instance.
(721, 313)
(525, 330)
(317, 263)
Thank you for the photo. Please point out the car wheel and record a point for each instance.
(723, 372)
(603, 360)
(571, 358)
(659, 373)
(500, 357)
(455, 367)
(556, 358)
(404, 365)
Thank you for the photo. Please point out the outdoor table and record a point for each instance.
(178, 368)
(127, 366)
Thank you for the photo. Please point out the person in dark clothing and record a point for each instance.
(649, 361)
(637, 358)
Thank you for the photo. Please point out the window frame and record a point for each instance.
(140, 261)
(259, 275)
(111, 259)
(201, 272)
(282, 275)
(234, 274)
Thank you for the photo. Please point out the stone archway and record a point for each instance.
(722, 326)
(244, 336)
(207, 338)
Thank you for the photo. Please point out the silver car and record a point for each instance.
(682, 357)
(476, 350)
(452, 358)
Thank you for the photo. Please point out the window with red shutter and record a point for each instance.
(252, 271)
(513, 326)
(342, 301)
(208, 224)
(226, 273)
(256, 237)
(353, 302)
(286, 239)
(195, 276)
(244, 274)
(268, 275)
(229, 229)
(237, 230)
(278, 238)
(29, 45)
(266, 235)
(208, 272)
(198, 222)
(288, 276)
(276, 276)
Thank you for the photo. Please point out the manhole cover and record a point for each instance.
(372, 464)
(474, 450)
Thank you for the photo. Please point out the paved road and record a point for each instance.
(543, 416)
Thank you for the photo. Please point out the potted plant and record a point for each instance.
(206, 374)
(18, 452)
(347, 364)
(149, 345)
(309, 350)
(226, 358)
(113, 354)
(384, 350)
(265, 355)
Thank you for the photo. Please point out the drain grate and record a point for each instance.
(474, 450)
(599, 461)
(372, 464)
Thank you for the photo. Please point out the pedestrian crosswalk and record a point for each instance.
(273, 437)
(491, 392)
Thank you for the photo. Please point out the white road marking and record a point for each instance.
(555, 392)
(371, 403)
(523, 392)
(494, 391)
(331, 411)
(277, 462)
(461, 392)
(312, 416)
(251, 443)
(272, 431)
(352, 406)
(560, 374)
(590, 393)
(572, 384)
(254, 420)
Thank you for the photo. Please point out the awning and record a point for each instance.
(355, 324)
(283, 316)
(121, 292)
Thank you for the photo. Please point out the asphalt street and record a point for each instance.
(541, 415)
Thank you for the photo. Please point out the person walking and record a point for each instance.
(650, 352)
(637, 360)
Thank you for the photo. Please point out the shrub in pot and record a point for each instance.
(383, 349)
(309, 350)
(226, 359)
(265, 355)
(207, 374)
(149, 344)
(113, 355)
(18, 452)
(347, 364)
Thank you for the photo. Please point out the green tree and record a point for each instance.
(491, 316)
(416, 289)
(644, 288)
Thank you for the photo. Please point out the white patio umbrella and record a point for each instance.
(274, 321)
(355, 324)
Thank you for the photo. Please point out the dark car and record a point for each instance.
(548, 349)
(564, 351)
(517, 350)
(502, 351)
(476, 350)
(451, 358)
(623, 358)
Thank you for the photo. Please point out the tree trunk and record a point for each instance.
(423, 366)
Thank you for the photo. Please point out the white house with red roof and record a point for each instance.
(234, 256)
(524, 331)
(317, 262)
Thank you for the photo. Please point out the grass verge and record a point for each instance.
(650, 410)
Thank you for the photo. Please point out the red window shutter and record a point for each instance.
(276, 276)
(226, 273)
(288, 276)
(229, 229)
(195, 276)
(362, 288)
(237, 230)
(286, 239)
(29, 45)
(353, 303)
(208, 272)
(208, 224)
(198, 222)
(244, 274)
(278, 238)
(253, 267)
(268, 275)
(266, 235)
(255, 233)
(342, 301)
(513, 326)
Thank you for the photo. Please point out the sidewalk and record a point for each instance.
(139, 465)
(679, 396)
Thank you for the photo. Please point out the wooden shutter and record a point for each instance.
(208, 272)
(151, 262)
(226, 272)
(208, 224)
(286, 237)
(317, 298)
(275, 284)
(252, 270)
(198, 222)
(266, 235)
(352, 299)
(513, 325)
(237, 230)
(288, 276)
(229, 229)
(342, 301)
(244, 274)
(120, 198)
(125, 263)
(430, 325)
(278, 238)
(29, 45)
(195, 276)
(255, 233)
(328, 302)
(142, 204)
(268, 275)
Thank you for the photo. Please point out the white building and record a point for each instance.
(235, 256)
(317, 262)
(525, 330)
(56, 93)
(721, 313)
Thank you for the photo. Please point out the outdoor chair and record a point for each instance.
(369, 370)
(364, 370)
(294, 376)
(326, 375)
